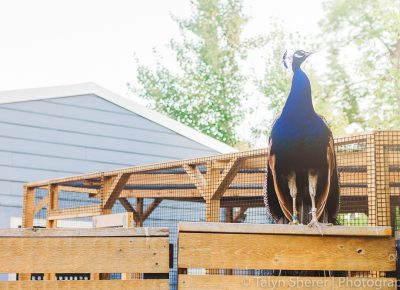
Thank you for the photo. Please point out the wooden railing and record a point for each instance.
(230, 249)
(73, 251)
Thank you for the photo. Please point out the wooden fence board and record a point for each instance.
(92, 232)
(285, 252)
(150, 284)
(84, 255)
(206, 282)
(277, 229)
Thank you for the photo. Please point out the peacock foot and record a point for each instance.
(295, 221)
(315, 223)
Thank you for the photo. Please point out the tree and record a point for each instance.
(208, 90)
(363, 43)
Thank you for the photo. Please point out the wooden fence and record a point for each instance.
(26, 251)
(211, 254)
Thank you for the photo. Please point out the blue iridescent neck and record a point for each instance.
(299, 101)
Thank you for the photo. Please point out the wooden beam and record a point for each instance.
(129, 208)
(123, 219)
(77, 189)
(249, 251)
(196, 177)
(113, 191)
(206, 282)
(41, 204)
(148, 284)
(28, 207)
(226, 178)
(85, 255)
(277, 229)
(139, 210)
(151, 208)
(82, 232)
(76, 212)
(148, 168)
(371, 172)
(53, 204)
(240, 214)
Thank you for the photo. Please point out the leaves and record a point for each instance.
(207, 93)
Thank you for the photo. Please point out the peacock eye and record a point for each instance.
(299, 54)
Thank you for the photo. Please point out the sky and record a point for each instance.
(48, 43)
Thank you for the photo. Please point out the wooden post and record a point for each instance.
(28, 207)
(52, 191)
(371, 180)
(53, 204)
(139, 210)
(28, 213)
(382, 183)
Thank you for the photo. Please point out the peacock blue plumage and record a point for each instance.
(302, 181)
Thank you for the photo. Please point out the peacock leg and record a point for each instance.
(312, 184)
(293, 193)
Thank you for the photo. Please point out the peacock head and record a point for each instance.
(299, 56)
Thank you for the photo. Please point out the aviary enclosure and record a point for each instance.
(222, 188)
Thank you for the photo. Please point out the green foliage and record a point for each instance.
(207, 92)
(363, 42)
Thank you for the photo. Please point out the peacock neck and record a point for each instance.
(299, 103)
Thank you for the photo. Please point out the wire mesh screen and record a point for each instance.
(222, 188)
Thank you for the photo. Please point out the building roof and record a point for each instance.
(91, 88)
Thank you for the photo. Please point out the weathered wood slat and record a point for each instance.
(75, 232)
(276, 229)
(84, 255)
(76, 212)
(206, 282)
(113, 220)
(285, 252)
(148, 284)
(157, 166)
(353, 159)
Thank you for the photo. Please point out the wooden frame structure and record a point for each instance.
(84, 251)
(248, 247)
(369, 167)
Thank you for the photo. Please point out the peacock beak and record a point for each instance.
(308, 54)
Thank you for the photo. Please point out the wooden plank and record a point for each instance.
(28, 207)
(149, 210)
(353, 177)
(76, 212)
(240, 214)
(80, 232)
(226, 178)
(84, 255)
(114, 190)
(285, 252)
(206, 282)
(371, 176)
(353, 159)
(353, 191)
(77, 189)
(278, 229)
(148, 284)
(113, 220)
(53, 204)
(151, 167)
(186, 193)
(41, 204)
(146, 179)
(196, 178)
